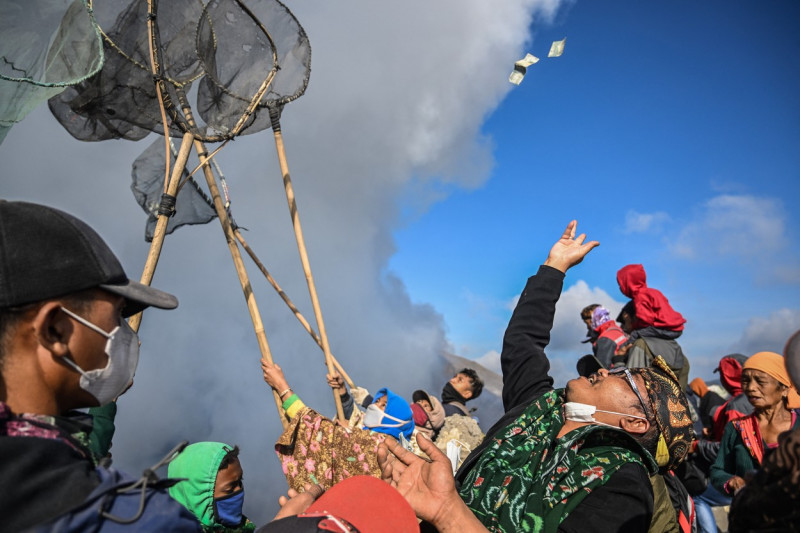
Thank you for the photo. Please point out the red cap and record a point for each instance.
(368, 504)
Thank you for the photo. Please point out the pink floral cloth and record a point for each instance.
(314, 449)
(74, 433)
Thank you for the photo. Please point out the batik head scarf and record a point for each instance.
(671, 413)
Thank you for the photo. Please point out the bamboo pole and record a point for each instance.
(275, 116)
(172, 180)
(241, 272)
(161, 226)
(288, 301)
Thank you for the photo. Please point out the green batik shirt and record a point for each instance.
(527, 479)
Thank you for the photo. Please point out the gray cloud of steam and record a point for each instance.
(397, 96)
(768, 333)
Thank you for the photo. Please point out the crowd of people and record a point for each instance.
(629, 445)
(737, 422)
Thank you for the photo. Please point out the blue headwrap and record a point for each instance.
(398, 408)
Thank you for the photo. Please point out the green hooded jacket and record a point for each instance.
(198, 464)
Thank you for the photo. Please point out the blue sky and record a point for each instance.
(671, 131)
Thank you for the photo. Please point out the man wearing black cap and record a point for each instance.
(64, 345)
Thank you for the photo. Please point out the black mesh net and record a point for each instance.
(218, 63)
(232, 69)
(192, 205)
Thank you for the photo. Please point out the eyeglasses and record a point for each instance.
(629, 378)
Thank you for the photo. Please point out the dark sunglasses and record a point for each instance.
(629, 378)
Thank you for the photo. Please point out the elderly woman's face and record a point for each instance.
(761, 389)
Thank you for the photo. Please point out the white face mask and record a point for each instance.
(374, 416)
(583, 412)
(122, 349)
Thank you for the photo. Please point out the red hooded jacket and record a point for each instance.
(652, 307)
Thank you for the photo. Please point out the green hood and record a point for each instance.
(198, 463)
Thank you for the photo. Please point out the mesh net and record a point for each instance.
(233, 66)
(220, 59)
(45, 46)
(193, 206)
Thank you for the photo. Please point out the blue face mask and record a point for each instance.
(229, 509)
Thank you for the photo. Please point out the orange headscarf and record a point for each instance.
(773, 364)
(698, 386)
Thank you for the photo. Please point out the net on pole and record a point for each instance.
(196, 47)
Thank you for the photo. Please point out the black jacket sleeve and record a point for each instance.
(524, 363)
(624, 504)
(523, 360)
(347, 405)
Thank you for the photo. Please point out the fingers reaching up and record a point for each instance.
(569, 250)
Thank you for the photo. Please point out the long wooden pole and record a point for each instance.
(289, 302)
(170, 180)
(161, 225)
(275, 115)
(241, 272)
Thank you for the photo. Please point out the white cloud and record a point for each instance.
(568, 331)
(770, 333)
(636, 222)
(734, 225)
(491, 360)
(568, 328)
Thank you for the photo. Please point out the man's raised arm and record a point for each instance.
(524, 363)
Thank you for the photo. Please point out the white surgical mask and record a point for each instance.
(583, 412)
(374, 417)
(122, 349)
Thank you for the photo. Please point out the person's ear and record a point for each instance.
(634, 425)
(53, 328)
(467, 394)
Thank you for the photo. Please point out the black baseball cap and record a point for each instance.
(46, 253)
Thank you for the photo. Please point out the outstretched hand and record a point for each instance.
(568, 251)
(297, 502)
(428, 486)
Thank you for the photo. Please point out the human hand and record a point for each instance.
(359, 394)
(734, 484)
(296, 502)
(428, 486)
(274, 377)
(568, 251)
(336, 382)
